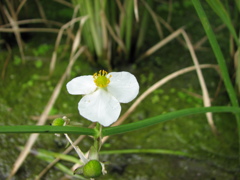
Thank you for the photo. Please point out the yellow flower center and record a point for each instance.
(101, 79)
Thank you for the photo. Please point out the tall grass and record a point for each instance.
(218, 7)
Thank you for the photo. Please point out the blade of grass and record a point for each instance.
(118, 129)
(157, 46)
(148, 151)
(155, 19)
(28, 21)
(93, 11)
(238, 4)
(237, 66)
(220, 59)
(104, 34)
(165, 117)
(64, 157)
(20, 30)
(47, 129)
(129, 8)
(219, 9)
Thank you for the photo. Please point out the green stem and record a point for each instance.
(217, 51)
(117, 129)
(148, 151)
(47, 129)
(164, 117)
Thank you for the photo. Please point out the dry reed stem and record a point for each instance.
(69, 32)
(154, 17)
(13, 21)
(11, 9)
(70, 29)
(168, 27)
(109, 55)
(170, 9)
(59, 37)
(206, 98)
(163, 42)
(68, 4)
(30, 21)
(41, 11)
(22, 30)
(20, 6)
(136, 10)
(9, 54)
(104, 30)
(114, 36)
(44, 115)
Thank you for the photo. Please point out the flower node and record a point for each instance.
(101, 79)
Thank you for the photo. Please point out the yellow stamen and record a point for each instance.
(101, 79)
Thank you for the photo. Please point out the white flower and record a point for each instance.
(103, 94)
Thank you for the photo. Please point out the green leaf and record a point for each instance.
(164, 117)
(47, 129)
(43, 152)
(148, 151)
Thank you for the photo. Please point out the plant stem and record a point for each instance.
(165, 117)
(47, 129)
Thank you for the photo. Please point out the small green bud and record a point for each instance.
(92, 169)
(58, 122)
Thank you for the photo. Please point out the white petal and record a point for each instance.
(100, 106)
(81, 85)
(123, 86)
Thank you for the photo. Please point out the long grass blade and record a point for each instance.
(220, 59)
(165, 117)
(47, 129)
(220, 10)
(148, 151)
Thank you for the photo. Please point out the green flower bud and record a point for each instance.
(58, 122)
(92, 169)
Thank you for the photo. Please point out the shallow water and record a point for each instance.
(214, 157)
(26, 89)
